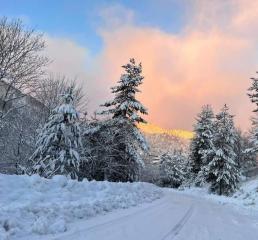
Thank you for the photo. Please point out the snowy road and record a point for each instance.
(175, 216)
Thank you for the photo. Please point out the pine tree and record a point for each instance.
(125, 105)
(244, 149)
(104, 157)
(202, 141)
(125, 110)
(253, 95)
(253, 92)
(59, 141)
(223, 168)
(172, 169)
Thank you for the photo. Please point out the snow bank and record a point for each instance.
(246, 197)
(34, 205)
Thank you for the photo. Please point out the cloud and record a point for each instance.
(67, 57)
(115, 16)
(74, 61)
(209, 61)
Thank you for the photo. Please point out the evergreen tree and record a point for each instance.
(172, 168)
(202, 141)
(59, 141)
(254, 133)
(244, 149)
(253, 95)
(253, 92)
(128, 142)
(223, 168)
(125, 105)
(104, 157)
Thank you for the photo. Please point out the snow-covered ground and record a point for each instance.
(176, 216)
(31, 206)
(245, 198)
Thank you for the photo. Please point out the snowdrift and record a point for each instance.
(34, 205)
(246, 198)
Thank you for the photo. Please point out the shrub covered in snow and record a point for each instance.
(34, 205)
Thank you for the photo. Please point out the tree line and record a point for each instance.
(107, 146)
(219, 153)
(105, 149)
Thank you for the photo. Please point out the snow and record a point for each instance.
(33, 206)
(175, 216)
(245, 199)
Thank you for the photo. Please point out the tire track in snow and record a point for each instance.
(178, 227)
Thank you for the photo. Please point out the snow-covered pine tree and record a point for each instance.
(125, 110)
(172, 168)
(59, 141)
(125, 105)
(253, 92)
(244, 149)
(250, 147)
(253, 95)
(202, 141)
(239, 147)
(223, 168)
(104, 157)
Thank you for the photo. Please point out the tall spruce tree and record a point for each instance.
(125, 110)
(253, 95)
(202, 141)
(59, 141)
(223, 169)
(125, 105)
(244, 148)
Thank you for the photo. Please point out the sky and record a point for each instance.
(193, 52)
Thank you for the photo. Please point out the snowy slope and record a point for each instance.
(31, 206)
(245, 198)
(248, 194)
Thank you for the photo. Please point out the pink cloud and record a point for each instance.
(209, 61)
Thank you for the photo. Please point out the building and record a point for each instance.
(20, 117)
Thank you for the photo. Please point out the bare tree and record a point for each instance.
(21, 62)
(51, 88)
(21, 66)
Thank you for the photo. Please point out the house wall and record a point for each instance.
(19, 131)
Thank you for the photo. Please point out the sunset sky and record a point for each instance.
(193, 52)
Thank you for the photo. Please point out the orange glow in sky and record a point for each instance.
(210, 61)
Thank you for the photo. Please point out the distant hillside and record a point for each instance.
(163, 140)
(154, 129)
